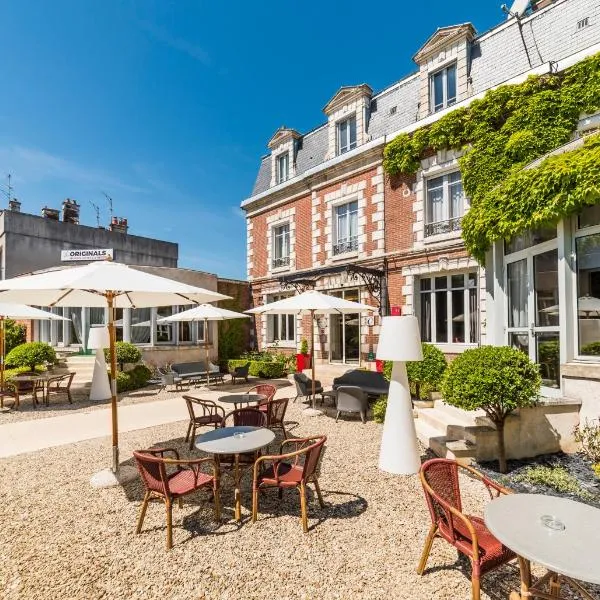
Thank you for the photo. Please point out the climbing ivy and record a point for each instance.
(503, 132)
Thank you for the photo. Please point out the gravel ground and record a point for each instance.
(62, 539)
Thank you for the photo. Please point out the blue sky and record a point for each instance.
(167, 106)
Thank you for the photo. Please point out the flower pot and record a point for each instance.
(302, 362)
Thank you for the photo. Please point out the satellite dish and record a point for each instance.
(518, 8)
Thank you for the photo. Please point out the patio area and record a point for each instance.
(365, 543)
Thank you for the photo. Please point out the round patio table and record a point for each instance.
(33, 379)
(240, 399)
(559, 534)
(236, 441)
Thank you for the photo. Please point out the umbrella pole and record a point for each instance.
(312, 352)
(206, 348)
(113, 382)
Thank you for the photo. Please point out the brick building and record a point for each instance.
(323, 214)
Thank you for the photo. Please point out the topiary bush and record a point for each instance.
(424, 376)
(14, 335)
(126, 353)
(134, 379)
(30, 355)
(496, 379)
(267, 369)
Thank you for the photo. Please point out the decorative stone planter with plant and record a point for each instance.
(303, 357)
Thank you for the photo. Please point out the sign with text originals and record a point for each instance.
(86, 254)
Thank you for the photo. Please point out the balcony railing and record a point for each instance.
(344, 246)
(440, 227)
(278, 263)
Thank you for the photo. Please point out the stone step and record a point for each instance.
(457, 414)
(460, 450)
(441, 420)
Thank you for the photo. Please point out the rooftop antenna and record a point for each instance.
(110, 205)
(97, 211)
(10, 188)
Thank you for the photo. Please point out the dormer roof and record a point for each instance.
(443, 37)
(282, 135)
(347, 93)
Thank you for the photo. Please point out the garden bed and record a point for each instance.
(527, 476)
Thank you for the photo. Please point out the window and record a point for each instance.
(346, 228)
(281, 328)
(445, 204)
(283, 167)
(442, 88)
(164, 332)
(201, 332)
(184, 328)
(346, 135)
(281, 246)
(448, 309)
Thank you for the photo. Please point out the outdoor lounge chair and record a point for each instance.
(61, 384)
(240, 373)
(468, 534)
(352, 399)
(304, 386)
(212, 414)
(168, 487)
(292, 470)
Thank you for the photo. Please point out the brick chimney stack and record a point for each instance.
(118, 224)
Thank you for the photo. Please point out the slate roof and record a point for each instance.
(496, 56)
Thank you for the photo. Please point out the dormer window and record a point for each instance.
(346, 135)
(443, 88)
(283, 167)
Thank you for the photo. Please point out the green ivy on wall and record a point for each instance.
(503, 132)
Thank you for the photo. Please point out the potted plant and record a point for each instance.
(303, 357)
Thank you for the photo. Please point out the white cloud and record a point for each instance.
(162, 35)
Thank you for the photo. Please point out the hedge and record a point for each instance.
(134, 379)
(259, 368)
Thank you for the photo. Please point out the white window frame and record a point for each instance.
(283, 320)
(351, 242)
(448, 291)
(282, 175)
(274, 236)
(338, 135)
(450, 222)
(445, 100)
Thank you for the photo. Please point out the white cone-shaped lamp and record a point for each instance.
(98, 340)
(399, 341)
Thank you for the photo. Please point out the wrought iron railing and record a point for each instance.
(283, 261)
(350, 245)
(439, 227)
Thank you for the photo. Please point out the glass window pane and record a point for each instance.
(548, 354)
(425, 321)
(441, 283)
(450, 85)
(456, 196)
(458, 281)
(472, 280)
(141, 320)
(352, 123)
(589, 216)
(517, 293)
(588, 294)
(438, 91)
(520, 341)
(343, 136)
(291, 327)
(435, 200)
(528, 239)
(425, 284)
(441, 317)
(458, 316)
(164, 332)
(473, 316)
(283, 326)
(545, 273)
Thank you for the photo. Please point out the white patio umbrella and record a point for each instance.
(103, 284)
(204, 313)
(10, 310)
(312, 303)
(586, 305)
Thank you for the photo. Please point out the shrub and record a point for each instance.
(126, 353)
(30, 354)
(304, 347)
(588, 435)
(267, 369)
(425, 375)
(496, 379)
(134, 379)
(379, 408)
(14, 335)
(557, 478)
(591, 348)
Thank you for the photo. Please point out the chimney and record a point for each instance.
(70, 211)
(14, 205)
(118, 224)
(50, 213)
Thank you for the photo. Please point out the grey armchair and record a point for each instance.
(304, 386)
(352, 399)
(240, 373)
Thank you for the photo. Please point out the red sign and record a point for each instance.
(396, 311)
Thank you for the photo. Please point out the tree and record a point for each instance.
(495, 379)
(30, 355)
(14, 335)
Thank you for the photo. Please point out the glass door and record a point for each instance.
(344, 332)
(533, 311)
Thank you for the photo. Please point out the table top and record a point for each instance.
(516, 520)
(234, 440)
(241, 398)
(38, 376)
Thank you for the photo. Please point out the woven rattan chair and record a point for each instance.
(61, 384)
(291, 470)
(266, 389)
(468, 534)
(168, 487)
(212, 414)
(275, 411)
(304, 387)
